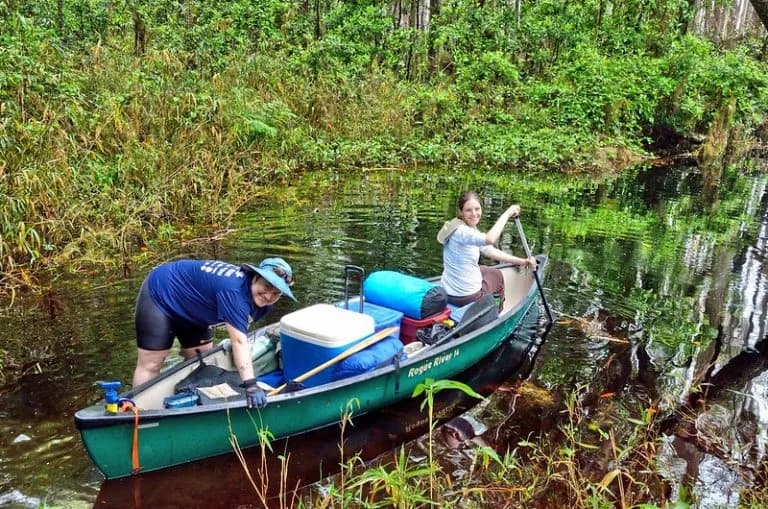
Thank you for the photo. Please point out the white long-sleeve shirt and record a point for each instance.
(461, 261)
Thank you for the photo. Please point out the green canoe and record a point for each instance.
(156, 437)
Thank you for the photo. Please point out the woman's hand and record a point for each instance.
(532, 262)
(513, 211)
(494, 233)
(254, 395)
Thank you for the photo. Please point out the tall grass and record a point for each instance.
(260, 481)
(579, 463)
(141, 153)
(108, 157)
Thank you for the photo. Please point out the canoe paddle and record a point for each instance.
(535, 271)
(362, 345)
(485, 308)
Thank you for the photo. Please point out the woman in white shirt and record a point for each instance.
(464, 279)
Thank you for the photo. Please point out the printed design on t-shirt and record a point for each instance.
(222, 269)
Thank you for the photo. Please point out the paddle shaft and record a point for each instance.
(370, 340)
(535, 271)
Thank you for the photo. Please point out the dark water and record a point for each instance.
(657, 280)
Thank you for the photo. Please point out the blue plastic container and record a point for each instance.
(383, 317)
(181, 400)
(315, 334)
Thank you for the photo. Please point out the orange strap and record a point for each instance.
(127, 406)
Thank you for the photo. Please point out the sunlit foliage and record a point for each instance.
(123, 123)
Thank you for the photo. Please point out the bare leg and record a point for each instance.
(148, 365)
(188, 353)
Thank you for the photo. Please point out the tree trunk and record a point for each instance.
(139, 33)
(761, 8)
(60, 17)
(403, 19)
(422, 14)
(108, 24)
(434, 8)
(598, 17)
(318, 20)
(764, 52)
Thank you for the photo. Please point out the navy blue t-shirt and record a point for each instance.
(205, 292)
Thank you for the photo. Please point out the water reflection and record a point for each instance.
(657, 279)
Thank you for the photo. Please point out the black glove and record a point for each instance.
(254, 395)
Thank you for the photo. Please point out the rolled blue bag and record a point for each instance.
(415, 297)
(369, 359)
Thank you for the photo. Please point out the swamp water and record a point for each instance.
(657, 280)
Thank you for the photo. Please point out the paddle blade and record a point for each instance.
(482, 312)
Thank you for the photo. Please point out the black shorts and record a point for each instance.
(155, 330)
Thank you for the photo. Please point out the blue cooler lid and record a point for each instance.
(327, 325)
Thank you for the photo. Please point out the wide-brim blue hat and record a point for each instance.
(276, 271)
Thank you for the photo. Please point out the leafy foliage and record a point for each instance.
(120, 118)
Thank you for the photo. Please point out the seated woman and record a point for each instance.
(464, 279)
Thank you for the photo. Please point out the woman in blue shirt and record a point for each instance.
(464, 279)
(183, 299)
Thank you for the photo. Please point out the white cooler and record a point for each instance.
(312, 335)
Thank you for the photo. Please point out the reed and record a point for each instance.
(143, 152)
(345, 467)
(547, 470)
(429, 389)
(260, 481)
(580, 463)
(756, 495)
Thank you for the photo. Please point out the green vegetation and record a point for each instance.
(125, 125)
(584, 461)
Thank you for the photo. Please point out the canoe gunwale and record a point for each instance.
(88, 418)
(103, 433)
